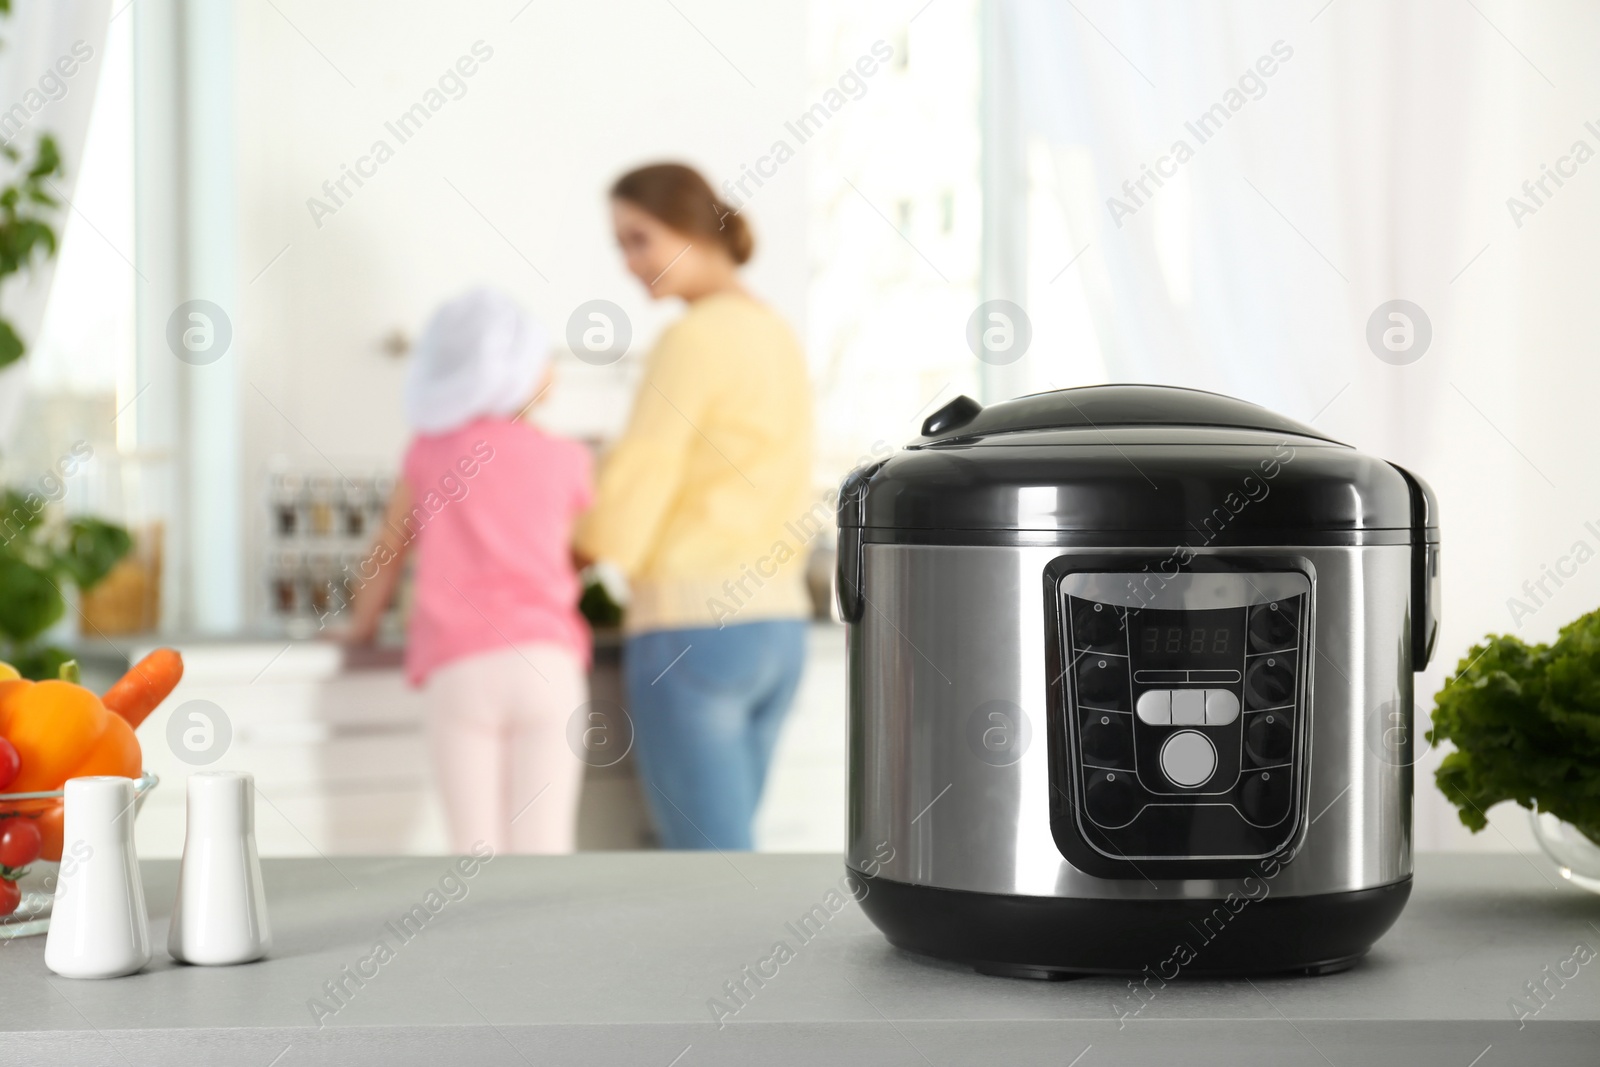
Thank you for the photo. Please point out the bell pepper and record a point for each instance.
(62, 730)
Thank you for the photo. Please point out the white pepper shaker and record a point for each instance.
(99, 927)
(220, 915)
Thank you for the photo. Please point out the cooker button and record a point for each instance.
(1103, 681)
(1112, 798)
(1222, 707)
(1273, 626)
(1269, 681)
(1106, 739)
(1188, 707)
(1155, 707)
(1188, 758)
(1268, 739)
(1097, 626)
(1265, 797)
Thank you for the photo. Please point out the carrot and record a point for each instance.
(146, 685)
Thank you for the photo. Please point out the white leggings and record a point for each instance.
(497, 723)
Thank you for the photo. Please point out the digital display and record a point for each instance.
(1187, 640)
(1218, 639)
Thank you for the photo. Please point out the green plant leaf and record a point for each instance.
(31, 234)
(38, 663)
(27, 209)
(30, 603)
(47, 162)
(10, 344)
(18, 515)
(91, 548)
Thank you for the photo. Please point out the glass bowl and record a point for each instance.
(1575, 854)
(38, 880)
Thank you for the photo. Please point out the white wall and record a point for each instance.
(505, 185)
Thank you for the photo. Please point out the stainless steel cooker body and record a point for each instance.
(954, 723)
(1130, 685)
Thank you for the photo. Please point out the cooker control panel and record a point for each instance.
(1184, 711)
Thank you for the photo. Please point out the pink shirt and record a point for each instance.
(493, 506)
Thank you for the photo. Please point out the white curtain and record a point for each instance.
(1259, 259)
(49, 68)
(1377, 162)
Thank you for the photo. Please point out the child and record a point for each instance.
(488, 503)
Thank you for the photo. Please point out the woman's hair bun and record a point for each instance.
(736, 235)
(680, 197)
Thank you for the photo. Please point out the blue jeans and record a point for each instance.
(706, 707)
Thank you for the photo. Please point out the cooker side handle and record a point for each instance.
(1425, 583)
(851, 517)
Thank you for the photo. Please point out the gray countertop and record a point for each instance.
(606, 958)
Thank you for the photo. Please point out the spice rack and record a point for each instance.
(320, 526)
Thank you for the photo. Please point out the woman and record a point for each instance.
(693, 504)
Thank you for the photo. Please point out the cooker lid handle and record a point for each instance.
(954, 415)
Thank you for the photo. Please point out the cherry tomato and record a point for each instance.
(50, 827)
(10, 763)
(20, 841)
(10, 897)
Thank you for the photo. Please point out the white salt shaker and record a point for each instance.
(220, 915)
(98, 924)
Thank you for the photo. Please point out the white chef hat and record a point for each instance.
(479, 355)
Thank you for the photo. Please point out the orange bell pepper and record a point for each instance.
(62, 731)
(6, 687)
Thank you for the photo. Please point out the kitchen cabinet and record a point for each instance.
(337, 746)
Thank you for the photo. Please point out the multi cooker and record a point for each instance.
(1130, 685)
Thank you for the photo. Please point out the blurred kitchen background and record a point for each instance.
(1376, 162)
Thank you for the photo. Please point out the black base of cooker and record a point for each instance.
(1066, 937)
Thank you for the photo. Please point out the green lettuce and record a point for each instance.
(1525, 723)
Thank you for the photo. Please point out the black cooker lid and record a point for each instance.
(1103, 406)
(1114, 458)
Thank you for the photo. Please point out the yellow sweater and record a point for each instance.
(705, 501)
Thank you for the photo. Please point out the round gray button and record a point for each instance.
(1188, 758)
